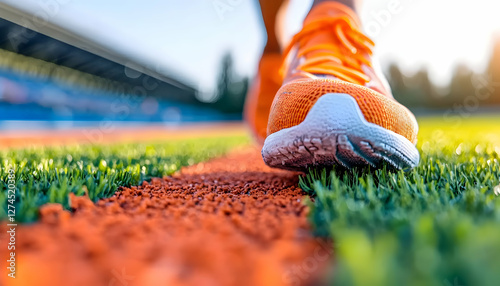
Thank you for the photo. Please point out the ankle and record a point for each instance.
(353, 4)
(272, 49)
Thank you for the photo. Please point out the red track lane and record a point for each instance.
(229, 221)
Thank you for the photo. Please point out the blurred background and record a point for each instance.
(176, 62)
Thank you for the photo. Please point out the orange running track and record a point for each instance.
(229, 221)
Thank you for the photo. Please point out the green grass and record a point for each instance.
(438, 224)
(48, 175)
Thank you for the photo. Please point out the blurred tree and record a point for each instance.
(225, 77)
(466, 89)
(396, 80)
(461, 86)
(414, 91)
(425, 89)
(231, 89)
(493, 75)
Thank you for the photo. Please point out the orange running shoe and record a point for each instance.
(261, 94)
(335, 107)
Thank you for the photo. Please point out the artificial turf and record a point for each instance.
(438, 224)
(48, 175)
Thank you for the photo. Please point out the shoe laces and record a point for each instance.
(343, 57)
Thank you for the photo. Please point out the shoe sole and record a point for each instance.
(335, 132)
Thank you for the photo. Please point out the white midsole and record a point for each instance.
(336, 132)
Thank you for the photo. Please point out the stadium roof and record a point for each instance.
(23, 30)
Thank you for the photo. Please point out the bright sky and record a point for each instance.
(189, 37)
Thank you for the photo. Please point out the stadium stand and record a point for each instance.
(48, 73)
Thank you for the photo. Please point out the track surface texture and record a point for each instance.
(229, 221)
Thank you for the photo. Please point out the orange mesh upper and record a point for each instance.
(331, 45)
(294, 100)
